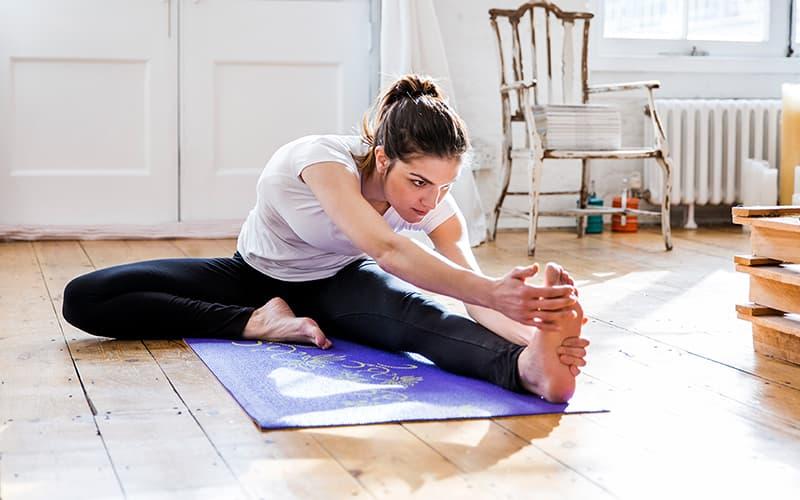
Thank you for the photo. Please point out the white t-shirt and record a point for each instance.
(288, 235)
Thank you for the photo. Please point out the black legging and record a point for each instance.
(190, 297)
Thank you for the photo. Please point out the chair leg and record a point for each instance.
(505, 166)
(535, 168)
(666, 167)
(493, 220)
(584, 200)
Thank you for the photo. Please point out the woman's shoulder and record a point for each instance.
(343, 143)
(334, 148)
(293, 157)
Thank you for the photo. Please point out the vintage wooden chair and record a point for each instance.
(519, 92)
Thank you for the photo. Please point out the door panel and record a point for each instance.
(258, 74)
(88, 112)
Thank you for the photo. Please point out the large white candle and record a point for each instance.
(790, 139)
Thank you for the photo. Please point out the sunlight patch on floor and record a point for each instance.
(301, 384)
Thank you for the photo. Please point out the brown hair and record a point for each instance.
(411, 118)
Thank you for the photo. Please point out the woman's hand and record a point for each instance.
(572, 353)
(544, 307)
(573, 348)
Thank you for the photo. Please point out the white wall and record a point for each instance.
(472, 56)
(471, 51)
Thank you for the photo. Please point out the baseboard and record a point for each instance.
(707, 215)
(209, 229)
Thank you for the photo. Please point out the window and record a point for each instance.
(796, 26)
(737, 21)
(748, 28)
(720, 20)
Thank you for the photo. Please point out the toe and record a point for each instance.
(552, 274)
(321, 340)
(314, 334)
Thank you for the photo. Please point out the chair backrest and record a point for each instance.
(531, 22)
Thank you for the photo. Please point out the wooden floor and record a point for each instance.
(695, 413)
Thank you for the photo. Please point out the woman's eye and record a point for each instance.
(418, 182)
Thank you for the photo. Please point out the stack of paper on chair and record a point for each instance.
(288, 385)
(579, 127)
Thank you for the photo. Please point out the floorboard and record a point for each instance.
(695, 412)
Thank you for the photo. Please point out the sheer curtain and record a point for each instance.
(412, 43)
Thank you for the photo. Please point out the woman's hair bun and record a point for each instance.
(405, 124)
(414, 87)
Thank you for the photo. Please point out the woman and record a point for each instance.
(319, 255)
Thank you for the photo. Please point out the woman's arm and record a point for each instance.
(450, 239)
(339, 192)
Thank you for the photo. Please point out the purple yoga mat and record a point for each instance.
(289, 385)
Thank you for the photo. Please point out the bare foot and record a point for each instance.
(540, 369)
(276, 321)
(573, 350)
(554, 275)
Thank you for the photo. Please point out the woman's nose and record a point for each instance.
(431, 199)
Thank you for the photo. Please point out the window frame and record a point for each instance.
(774, 48)
(794, 30)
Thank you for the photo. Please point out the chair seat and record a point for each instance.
(626, 153)
(519, 44)
(611, 154)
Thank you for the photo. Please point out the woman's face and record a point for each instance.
(415, 187)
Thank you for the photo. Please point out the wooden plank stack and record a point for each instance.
(774, 269)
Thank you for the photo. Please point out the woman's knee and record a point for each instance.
(79, 296)
(368, 288)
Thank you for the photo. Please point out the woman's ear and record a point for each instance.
(381, 160)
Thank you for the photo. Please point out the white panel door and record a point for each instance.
(258, 74)
(88, 112)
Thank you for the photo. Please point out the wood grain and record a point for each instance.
(669, 357)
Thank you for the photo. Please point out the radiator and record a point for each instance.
(708, 141)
